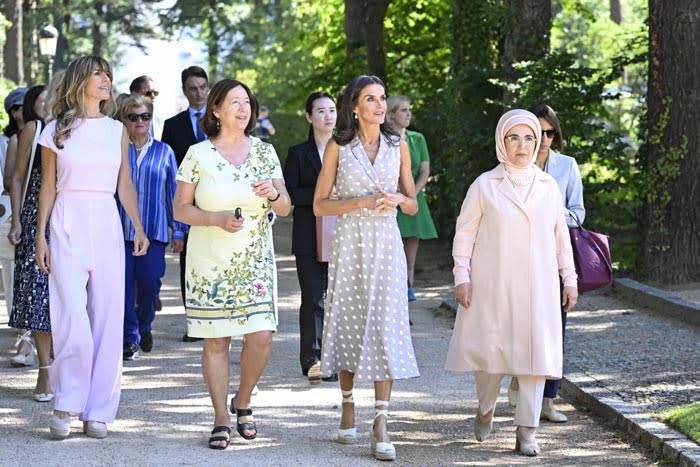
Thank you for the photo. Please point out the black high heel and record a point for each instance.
(242, 427)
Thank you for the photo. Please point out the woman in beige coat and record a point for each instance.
(510, 246)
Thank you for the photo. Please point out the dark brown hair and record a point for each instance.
(138, 83)
(191, 71)
(210, 124)
(347, 126)
(546, 112)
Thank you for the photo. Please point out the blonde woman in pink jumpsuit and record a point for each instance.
(84, 162)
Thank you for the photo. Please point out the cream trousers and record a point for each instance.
(527, 411)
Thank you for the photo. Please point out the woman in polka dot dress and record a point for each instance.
(366, 174)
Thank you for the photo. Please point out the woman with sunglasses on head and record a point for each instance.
(153, 171)
(84, 161)
(509, 299)
(30, 307)
(26, 355)
(565, 171)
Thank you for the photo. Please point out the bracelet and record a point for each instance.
(276, 197)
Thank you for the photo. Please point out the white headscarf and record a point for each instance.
(507, 121)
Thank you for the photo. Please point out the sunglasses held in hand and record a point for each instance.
(145, 117)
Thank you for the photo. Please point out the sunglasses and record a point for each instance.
(551, 133)
(145, 117)
(152, 93)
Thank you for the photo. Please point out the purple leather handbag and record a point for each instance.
(591, 257)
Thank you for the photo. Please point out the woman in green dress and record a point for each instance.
(225, 187)
(419, 227)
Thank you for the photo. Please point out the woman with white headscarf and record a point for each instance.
(511, 245)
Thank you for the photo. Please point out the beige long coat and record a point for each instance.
(516, 252)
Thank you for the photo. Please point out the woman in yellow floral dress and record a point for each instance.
(226, 186)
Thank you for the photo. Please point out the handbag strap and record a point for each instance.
(600, 252)
(32, 153)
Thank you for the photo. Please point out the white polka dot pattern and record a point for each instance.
(366, 328)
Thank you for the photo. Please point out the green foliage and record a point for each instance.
(685, 419)
(5, 87)
(605, 153)
(575, 79)
(656, 180)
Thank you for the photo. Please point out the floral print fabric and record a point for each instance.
(230, 277)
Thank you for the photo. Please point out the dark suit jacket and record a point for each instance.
(301, 171)
(179, 135)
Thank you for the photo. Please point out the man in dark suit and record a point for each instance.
(182, 131)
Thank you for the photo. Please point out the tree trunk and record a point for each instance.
(14, 53)
(60, 17)
(34, 58)
(528, 24)
(616, 11)
(670, 250)
(213, 40)
(364, 27)
(100, 19)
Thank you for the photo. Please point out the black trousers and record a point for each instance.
(313, 281)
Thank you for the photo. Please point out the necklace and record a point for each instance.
(524, 178)
(138, 148)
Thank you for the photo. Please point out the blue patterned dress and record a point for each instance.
(30, 306)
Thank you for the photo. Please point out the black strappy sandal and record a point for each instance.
(217, 435)
(242, 427)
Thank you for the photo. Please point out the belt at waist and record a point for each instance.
(365, 212)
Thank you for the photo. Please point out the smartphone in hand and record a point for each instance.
(237, 213)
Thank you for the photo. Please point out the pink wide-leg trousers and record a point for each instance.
(86, 293)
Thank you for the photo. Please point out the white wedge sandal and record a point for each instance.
(347, 435)
(381, 451)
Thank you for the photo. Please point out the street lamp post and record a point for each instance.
(48, 41)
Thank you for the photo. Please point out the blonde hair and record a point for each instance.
(69, 102)
(131, 102)
(51, 91)
(392, 105)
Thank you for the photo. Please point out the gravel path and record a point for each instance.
(649, 360)
(165, 414)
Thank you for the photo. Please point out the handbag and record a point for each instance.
(325, 230)
(591, 258)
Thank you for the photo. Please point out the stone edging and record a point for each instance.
(659, 300)
(581, 389)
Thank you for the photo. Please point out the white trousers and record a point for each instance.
(527, 411)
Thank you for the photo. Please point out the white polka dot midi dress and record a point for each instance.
(366, 326)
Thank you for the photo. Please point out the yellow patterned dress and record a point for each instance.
(230, 277)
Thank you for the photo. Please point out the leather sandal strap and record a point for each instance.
(221, 429)
(244, 412)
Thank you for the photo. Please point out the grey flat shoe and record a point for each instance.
(526, 446)
(482, 429)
